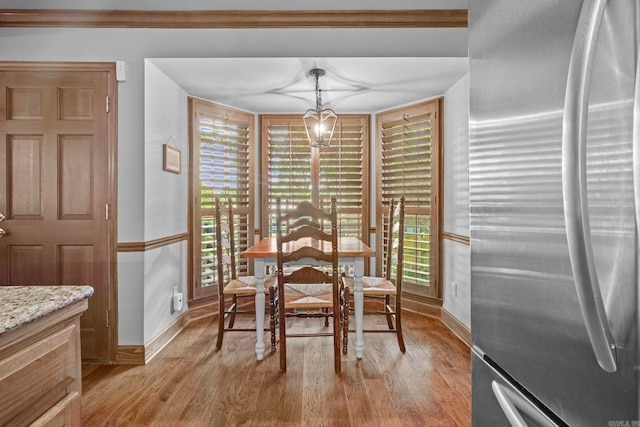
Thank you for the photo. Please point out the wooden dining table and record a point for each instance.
(351, 251)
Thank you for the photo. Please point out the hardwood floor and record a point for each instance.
(190, 384)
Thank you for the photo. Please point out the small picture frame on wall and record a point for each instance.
(170, 159)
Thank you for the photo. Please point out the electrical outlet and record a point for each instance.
(177, 302)
(454, 288)
(177, 299)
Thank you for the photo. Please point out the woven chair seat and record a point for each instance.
(372, 285)
(306, 296)
(246, 285)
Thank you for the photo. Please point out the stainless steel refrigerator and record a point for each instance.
(554, 183)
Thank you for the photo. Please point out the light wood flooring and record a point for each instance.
(190, 384)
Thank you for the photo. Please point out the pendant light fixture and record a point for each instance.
(319, 123)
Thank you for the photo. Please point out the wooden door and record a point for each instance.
(55, 189)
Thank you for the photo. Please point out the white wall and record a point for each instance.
(456, 265)
(140, 179)
(146, 279)
(165, 199)
(165, 122)
(130, 298)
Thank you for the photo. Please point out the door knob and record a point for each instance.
(2, 233)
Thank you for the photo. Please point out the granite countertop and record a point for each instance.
(24, 304)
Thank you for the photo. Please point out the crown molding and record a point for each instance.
(77, 18)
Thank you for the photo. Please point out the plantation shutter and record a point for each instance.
(289, 164)
(406, 139)
(294, 171)
(342, 174)
(406, 159)
(221, 158)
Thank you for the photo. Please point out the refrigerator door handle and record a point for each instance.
(507, 406)
(574, 184)
(513, 405)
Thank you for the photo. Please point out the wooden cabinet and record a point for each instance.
(40, 370)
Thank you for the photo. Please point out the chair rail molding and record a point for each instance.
(151, 244)
(456, 237)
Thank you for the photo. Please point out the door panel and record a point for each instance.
(54, 144)
(24, 154)
(25, 264)
(75, 182)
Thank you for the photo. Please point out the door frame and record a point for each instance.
(112, 181)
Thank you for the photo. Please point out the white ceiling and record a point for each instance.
(283, 85)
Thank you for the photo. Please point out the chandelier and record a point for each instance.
(319, 123)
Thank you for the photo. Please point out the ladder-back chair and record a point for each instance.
(387, 287)
(312, 290)
(235, 293)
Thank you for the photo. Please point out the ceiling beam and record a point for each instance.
(76, 18)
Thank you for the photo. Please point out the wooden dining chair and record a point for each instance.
(236, 293)
(387, 287)
(294, 223)
(311, 291)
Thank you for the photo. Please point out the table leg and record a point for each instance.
(259, 273)
(358, 305)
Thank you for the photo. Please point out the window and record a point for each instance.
(222, 141)
(295, 171)
(408, 153)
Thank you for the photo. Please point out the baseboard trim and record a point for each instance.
(130, 355)
(456, 326)
(142, 354)
(433, 309)
(153, 347)
(426, 308)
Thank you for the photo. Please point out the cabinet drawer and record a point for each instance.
(39, 376)
(64, 414)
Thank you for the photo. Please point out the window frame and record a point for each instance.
(316, 154)
(243, 215)
(434, 106)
